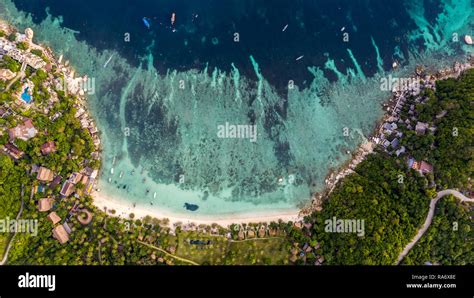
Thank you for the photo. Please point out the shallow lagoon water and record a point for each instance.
(159, 104)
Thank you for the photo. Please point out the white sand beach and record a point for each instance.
(123, 210)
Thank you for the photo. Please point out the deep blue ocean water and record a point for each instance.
(314, 30)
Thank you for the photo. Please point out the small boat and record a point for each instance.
(300, 57)
(112, 171)
(110, 180)
(105, 65)
(146, 22)
(343, 28)
(154, 195)
(468, 39)
(113, 161)
(173, 18)
(284, 28)
(121, 174)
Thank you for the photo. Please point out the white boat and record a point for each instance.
(173, 18)
(468, 39)
(121, 174)
(113, 161)
(105, 65)
(284, 28)
(343, 28)
(110, 180)
(300, 57)
(112, 171)
(154, 195)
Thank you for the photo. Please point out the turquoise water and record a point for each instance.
(160, 137)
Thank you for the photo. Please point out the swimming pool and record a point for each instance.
(25, 96)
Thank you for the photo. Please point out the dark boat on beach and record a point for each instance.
(191, 207)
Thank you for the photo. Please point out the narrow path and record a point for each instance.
(167, 253)
(429, 218)
(9, 245)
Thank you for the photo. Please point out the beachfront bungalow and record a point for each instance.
(250, 234)
(75, 178)
(272, 232)
(54, 217)
(67, 189)
(23, 132)
(45, 174)
(241, 235)
(48, 147)
(45, 204)
(12, 151)
(90, 172)
(61, 234)
(387, 127)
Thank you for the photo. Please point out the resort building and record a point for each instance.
(12, 151)
(61, 234)
(23, 132)
(45, 174)
(48, 147)
(54, 217)
(423, 167)
(26, 57)
(6, 74)
(45, 204)
(250, 234)
(421, 128)
(75, 178)
(67, 189)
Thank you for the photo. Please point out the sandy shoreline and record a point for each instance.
(104, 202)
